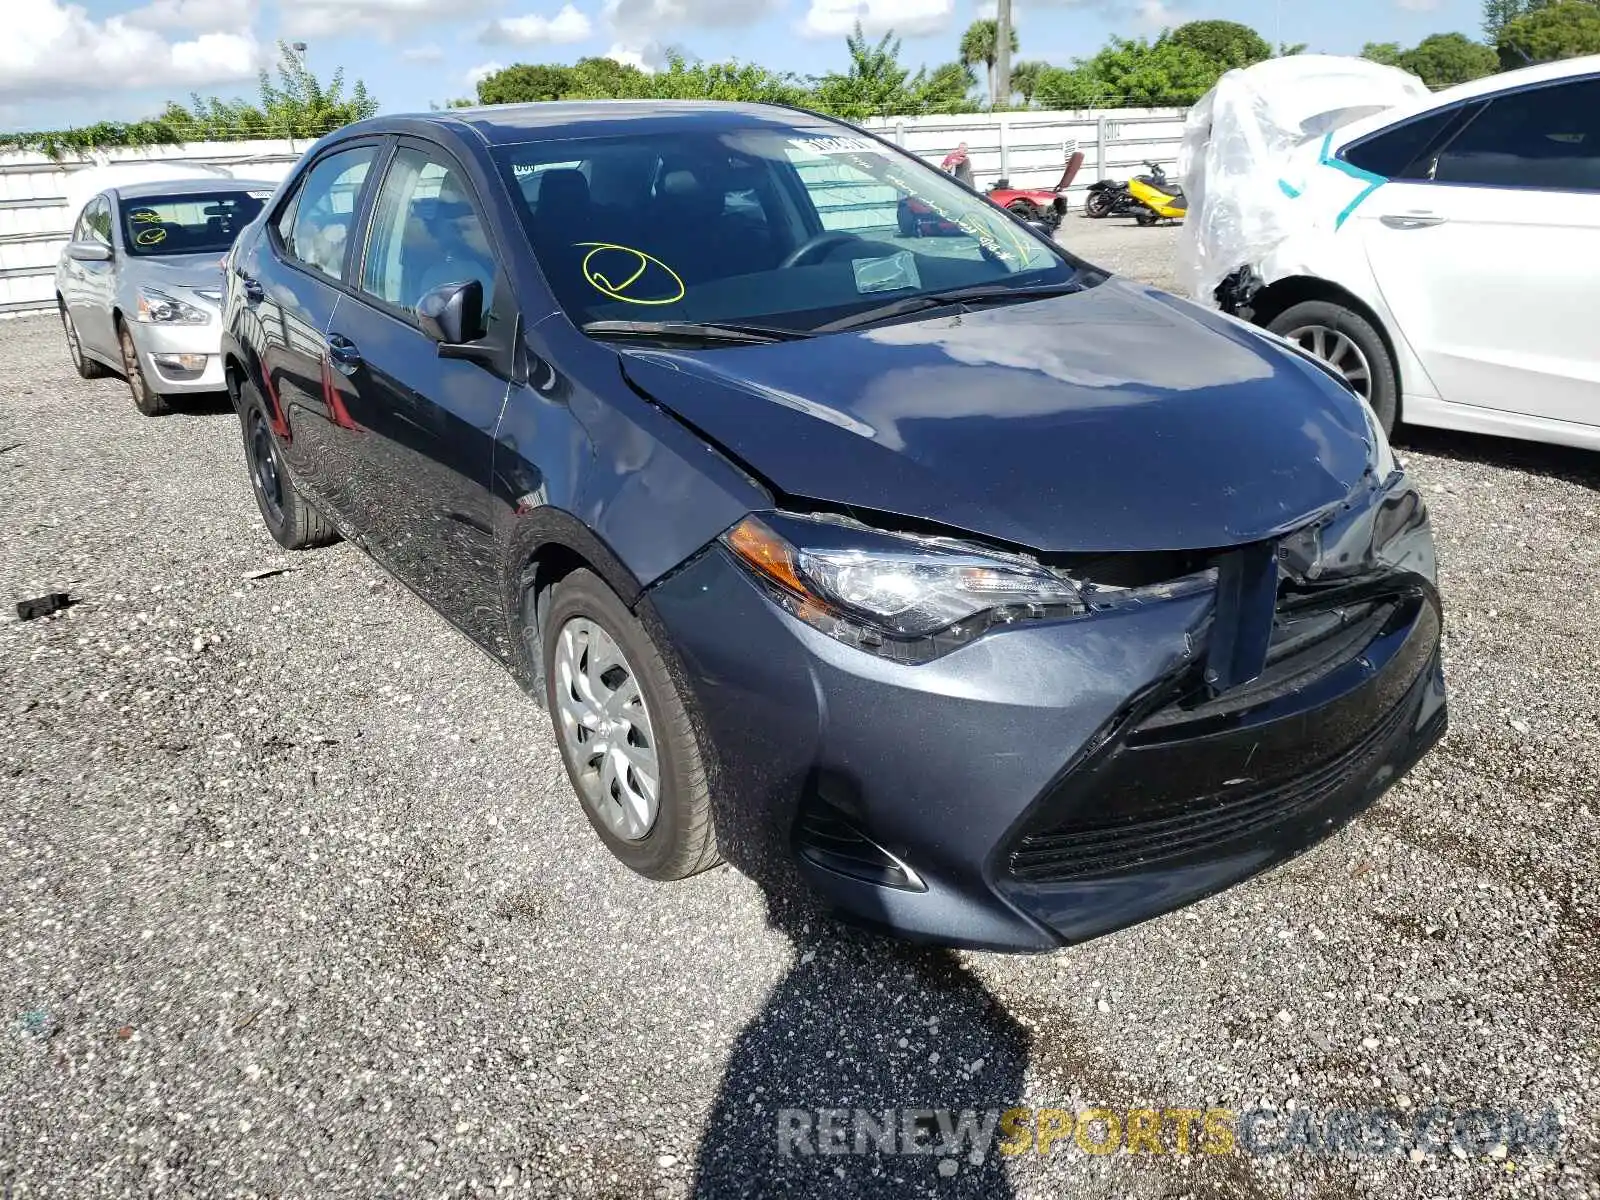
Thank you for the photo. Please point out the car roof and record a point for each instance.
(507, 124)
(184, 187)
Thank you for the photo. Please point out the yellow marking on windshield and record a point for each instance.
(618, 291)
(150, 237)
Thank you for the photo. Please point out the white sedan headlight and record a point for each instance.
(158, 308)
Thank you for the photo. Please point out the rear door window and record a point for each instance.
(324, 211)
(1545, 138)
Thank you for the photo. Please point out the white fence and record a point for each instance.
(39, 197)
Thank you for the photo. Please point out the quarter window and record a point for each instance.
(324, 211)
(426, 232)
(1545, 137)
(1390, 152)
(98, 219)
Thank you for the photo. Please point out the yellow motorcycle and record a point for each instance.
(1158, 199)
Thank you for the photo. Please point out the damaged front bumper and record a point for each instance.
(1059, 779)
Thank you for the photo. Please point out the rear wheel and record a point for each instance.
(1347, 342)
(629, 746)
(150, 403)
(87, 368)
(291, 520)
(1098, 204)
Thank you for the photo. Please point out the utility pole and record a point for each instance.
(1002, 55)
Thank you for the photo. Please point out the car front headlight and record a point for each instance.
(158, 308)
(908, 598)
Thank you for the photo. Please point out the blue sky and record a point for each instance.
(66, 63)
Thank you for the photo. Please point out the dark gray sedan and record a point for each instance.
(140, 283)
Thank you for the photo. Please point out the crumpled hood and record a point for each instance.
(178, 270)
(1117, 419)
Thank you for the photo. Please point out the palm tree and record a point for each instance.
(1025, 78)
(981, 44)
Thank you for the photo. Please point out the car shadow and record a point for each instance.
(862, 1024)
(201, 404)
(1538, 458)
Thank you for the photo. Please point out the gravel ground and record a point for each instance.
(295, 899)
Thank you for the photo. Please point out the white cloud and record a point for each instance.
(380, 18)
(53, 48)
(568, 25)
(649, 58)
(422, 54)
(638, 21)
(482, 71)
(1419, 5)
(907, 18)
(204, 16)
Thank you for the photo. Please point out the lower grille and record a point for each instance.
(1211, 821)
(1193, 772)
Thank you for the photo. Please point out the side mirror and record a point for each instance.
(452, 314)
(89, 252)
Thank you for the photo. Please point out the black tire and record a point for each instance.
(682, 840)
(1023, 210)
(1145, 216)
(291, 519)
(1385, 392)
(148, 401)
(87, 368)
(1098, 204)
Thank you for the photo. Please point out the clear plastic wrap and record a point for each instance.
(1253, 161)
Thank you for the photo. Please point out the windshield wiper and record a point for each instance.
(714, 331)
(976, 294)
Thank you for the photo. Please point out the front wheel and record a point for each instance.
(1145, 217)
(1098, 204)
(148, 401)
(1023, 210)
(1347, 342)
(629, 746)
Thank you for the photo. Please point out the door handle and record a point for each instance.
(254, 293)
(1411, 220)
(342, 351)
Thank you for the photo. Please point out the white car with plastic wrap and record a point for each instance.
(1442, 250)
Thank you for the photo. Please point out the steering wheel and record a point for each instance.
(815, 249)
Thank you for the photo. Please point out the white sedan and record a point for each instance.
(1456, 280)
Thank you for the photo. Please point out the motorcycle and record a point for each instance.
(1158, 199)
(1109, 198)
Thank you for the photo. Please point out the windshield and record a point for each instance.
(783, 228)
(188, 223)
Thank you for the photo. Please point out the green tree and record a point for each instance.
(1226, 43)
(1497, 14)
(525, 83)
(1131, 72)
(981, 44)
(1387, 53)
(1445, 59)
(945, 89)
(874, 83)
(1025, 78)
(298, 104)
(683, 80)
(1553, 31)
